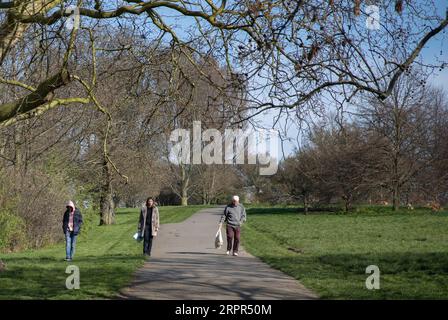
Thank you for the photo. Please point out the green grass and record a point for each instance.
(107, 257)
(329, 252)
(175, 214)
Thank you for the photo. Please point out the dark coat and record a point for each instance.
(77, 221)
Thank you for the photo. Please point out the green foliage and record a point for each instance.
(329, 252)
(90, 220)
(12, 227)
(32, 204)
(12, 232)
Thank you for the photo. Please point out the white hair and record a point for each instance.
(236, 198)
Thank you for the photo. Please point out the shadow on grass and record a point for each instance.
(430, 263)
(45, 277)
(342, 276)
(125, 211)
(290, 210)
(113, 258)
(361, 210)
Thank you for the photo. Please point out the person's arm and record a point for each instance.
(79, 220)
(64, 226)
(157, 220)
(223, 216)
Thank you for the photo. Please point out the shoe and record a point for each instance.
(147, 255)
(235, 254)
(68, 259)
(228, 253)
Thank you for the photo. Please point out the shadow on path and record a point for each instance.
(183, 265)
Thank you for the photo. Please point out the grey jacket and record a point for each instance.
(234, 215)
(154, 221)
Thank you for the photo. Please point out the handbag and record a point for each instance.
(218, 239)
(137, 237)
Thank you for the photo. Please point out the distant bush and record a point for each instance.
(32, 206)
(90, 219)
(12, 232)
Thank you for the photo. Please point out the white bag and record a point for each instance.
(137, 237)
(218, 239)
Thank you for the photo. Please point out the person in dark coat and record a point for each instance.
(71, 226)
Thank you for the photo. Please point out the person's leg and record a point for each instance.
(236, 241)
(72, 254)
(229, 231)
(145, 243)
(148, 249)
(146, 240)
(68, 245)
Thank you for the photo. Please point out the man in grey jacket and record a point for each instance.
(234, 215)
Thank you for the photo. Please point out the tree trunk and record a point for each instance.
(348, 203)
(106, 199)
(396, 197)
(204, 197)
(396, 159)
(184, 187)
(395, 185)
(184, 200)
(305, 204)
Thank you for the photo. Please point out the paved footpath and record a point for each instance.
(184, 264)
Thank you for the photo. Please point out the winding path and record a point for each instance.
(185, 265)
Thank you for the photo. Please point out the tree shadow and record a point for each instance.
(404, 275)
(211, 278)
(198, 253)
(292, 210)
(128, 211)
(45, 277)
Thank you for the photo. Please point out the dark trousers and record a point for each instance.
(233, 235)
(147, 241)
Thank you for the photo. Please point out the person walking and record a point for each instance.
(234, 215)
(148, 225)
(71, 225)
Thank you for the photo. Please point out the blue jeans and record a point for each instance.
(70, 244)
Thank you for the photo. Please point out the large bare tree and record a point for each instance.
(288, 50)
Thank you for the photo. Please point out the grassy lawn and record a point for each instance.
(106, 256)
(329, 252)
